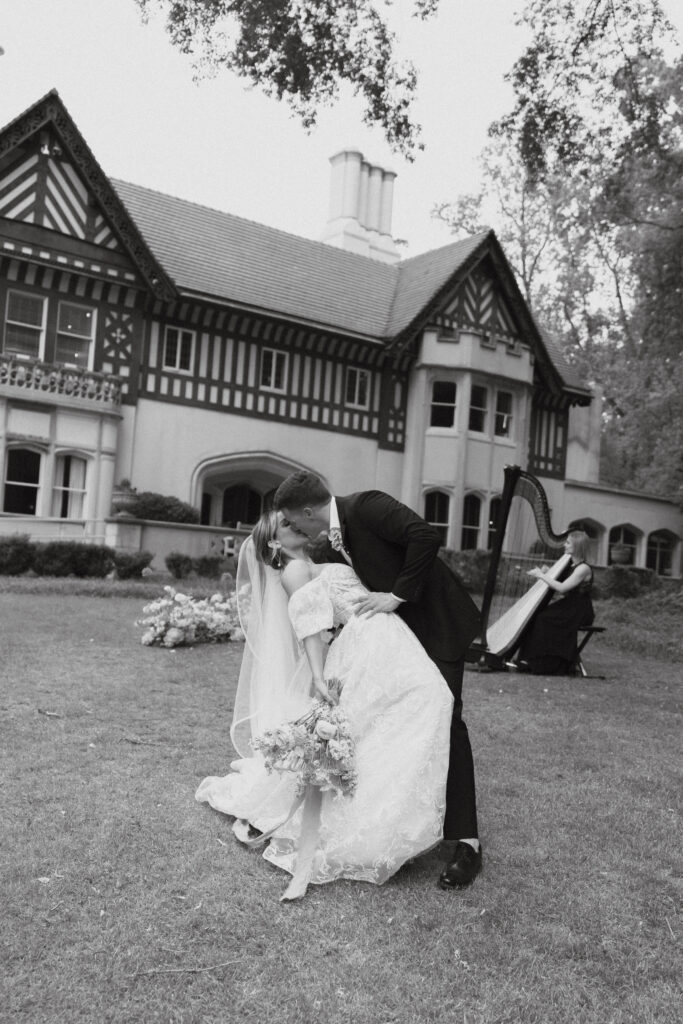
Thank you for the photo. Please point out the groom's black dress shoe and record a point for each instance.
(463, 869)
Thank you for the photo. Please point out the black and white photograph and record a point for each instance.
(341, 511)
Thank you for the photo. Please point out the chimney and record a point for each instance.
(361, 198)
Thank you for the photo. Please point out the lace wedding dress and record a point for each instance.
(399, 709)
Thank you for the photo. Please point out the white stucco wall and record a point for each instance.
(163, 446)
(608, 508)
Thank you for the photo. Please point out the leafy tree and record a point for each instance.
(301, 51)
(584, 58)
(583, 182)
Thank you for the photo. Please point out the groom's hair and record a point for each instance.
(301, 489)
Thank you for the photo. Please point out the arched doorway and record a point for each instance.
(233, 490)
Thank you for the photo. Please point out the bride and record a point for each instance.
(396, 701)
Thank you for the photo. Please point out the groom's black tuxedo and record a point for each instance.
(393, 550)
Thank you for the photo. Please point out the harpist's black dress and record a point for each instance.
(549, 642)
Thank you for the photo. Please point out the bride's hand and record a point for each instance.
(321, 690)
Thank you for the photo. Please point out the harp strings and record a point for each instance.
(522, 549)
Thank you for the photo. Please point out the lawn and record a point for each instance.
(125, 901)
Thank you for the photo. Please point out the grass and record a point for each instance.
(145, 588)
(122, 895)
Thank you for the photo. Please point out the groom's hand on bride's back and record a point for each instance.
(371, 604)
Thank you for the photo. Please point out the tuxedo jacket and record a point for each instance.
(394, 550)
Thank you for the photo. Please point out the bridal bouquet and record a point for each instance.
(318, 747)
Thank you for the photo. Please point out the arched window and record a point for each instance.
(241, 504)
(471, 516)
(22, 480)
(494, 512)
(623, 541)
(437, 511)
(660, 550)
(69, 490)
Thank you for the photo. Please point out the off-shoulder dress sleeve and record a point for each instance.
(310, 610)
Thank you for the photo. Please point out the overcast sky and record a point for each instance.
(215, 142)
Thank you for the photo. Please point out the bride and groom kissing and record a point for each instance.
(407, 622)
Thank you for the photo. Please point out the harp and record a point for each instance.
(523, 539)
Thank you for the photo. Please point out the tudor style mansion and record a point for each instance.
(205, 356)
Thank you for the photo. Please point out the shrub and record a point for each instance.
(16, 554)
(229, 565)
(178, 564)
(69, 558)
(208, 565)
(471, 567)
(619, 581)
(129, 564)
(162, 508)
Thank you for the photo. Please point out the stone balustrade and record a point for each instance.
(42, 379)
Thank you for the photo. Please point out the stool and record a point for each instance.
(587, 631)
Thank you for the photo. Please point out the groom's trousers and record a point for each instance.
(461, 805)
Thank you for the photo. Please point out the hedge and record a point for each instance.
(471, 567)
(69, 558)
(162, 508)
(16, 554)
(129, 564)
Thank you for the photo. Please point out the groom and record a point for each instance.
(394, 552)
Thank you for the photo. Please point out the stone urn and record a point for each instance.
(620, 554)
(123, 498)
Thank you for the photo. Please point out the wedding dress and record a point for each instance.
(399, 709)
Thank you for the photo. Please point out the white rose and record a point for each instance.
(325, 730)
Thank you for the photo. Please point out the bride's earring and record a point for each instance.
(276, 558)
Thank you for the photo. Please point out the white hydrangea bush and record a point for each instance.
(178, 620)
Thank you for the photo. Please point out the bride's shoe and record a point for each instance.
(244, 831)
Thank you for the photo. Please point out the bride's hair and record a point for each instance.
(265, 542)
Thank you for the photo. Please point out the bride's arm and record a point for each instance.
(294, 576)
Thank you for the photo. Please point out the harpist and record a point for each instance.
(549, 642)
